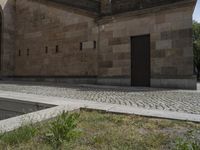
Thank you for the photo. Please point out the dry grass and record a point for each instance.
(103, 131)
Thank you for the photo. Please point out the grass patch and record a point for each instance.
(62, 129)
(104, 131)
(23, 134)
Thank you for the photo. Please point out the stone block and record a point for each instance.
(121, 48)
(182, 43)
(88, 45)
(114, 81)
(163, 27)
(169, 71)
(160, 18)
(33, 35)
(122, 63)
(163, 44)
(175, 83)
(188, 52)
(119, 40)
(158, 54)
(75, 27)
(181, 24)
(120, 33)
(166, 35)
(106, 64)
(121, 56)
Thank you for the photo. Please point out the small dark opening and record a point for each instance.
(46, 49)
(57, 49)
(28, 52)
(19, 53)
(95, 44)
(81, 46)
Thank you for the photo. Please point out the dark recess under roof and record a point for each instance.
(116, 6)
(89, 5)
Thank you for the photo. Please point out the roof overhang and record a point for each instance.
(134, 5)
(88, 5)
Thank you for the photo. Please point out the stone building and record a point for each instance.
(114, 42)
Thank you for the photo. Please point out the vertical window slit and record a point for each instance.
(81, 46)
(46, 49)
(57, 49)
(95, 44)
(28, 51)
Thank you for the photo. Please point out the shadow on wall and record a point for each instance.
(7, 40)
(22, 86)
(1, 29)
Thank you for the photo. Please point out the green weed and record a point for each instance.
(63, 129)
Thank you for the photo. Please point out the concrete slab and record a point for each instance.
(16, 122)
(66, 104)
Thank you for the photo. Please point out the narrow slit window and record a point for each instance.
(95, 44)
(28, 52)
(46, 49)
(19, 53)
(57, 49)
(81, 46)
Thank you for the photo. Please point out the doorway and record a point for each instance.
(140, 61)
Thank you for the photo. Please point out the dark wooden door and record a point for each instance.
(140, 61)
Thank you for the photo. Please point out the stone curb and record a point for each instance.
(31, 118)
(65, 104)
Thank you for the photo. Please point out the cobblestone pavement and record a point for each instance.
(150, 98)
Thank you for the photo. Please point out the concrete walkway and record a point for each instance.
(77, 104)
(182, 101)
(164, 103)
(186, 103)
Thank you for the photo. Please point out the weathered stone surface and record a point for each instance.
(169, 71)
(89, 45)
(49, 39)
(186, 101)
(90, 5)
(61, 36)
(163, 44)
(7, 9)
(119, 6)
(119, 41)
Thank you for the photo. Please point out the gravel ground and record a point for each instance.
(149, 98)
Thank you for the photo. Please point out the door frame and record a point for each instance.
(132, 49)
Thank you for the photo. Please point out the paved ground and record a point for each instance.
(185, 101)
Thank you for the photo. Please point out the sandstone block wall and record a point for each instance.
(49, 39)
(7, 8)
(171, 43)
(119, 6)
(46, 39)
(90, 5)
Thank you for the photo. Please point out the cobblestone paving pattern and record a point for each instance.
(149, 98)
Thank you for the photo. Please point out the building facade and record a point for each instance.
(114, 42)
